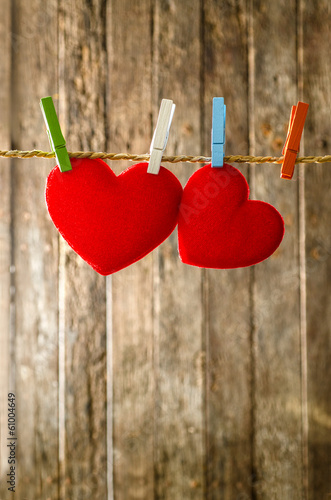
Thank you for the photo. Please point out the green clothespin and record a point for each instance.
(56, 139)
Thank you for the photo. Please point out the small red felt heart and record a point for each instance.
(112, 221)
(218, 227)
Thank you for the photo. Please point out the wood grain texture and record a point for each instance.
(277, 388)
(227, 307)
(129, 111)
(35, 255)
(6, 364)
(316, 91)
(179, 349)
(82, 94)
(212, 372)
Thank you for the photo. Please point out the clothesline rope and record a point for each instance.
(166, 159)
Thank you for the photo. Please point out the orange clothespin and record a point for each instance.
(292, 143)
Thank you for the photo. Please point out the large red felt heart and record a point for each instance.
(218, 227)
(112, 221)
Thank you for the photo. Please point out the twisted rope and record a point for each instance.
(167, 159)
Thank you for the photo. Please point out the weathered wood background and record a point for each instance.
(166, 381)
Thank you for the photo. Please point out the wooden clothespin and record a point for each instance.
(292, 143)
(218, 132)
(56, 139)
(161, 134)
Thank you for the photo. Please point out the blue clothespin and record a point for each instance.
(56, 139)
(218, 132)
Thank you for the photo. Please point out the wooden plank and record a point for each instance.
(227, 314)
(82, 105)
(277, 398)
(6, 367)
(179, 345)
(316, 91)
(130, 48)
(34, 51)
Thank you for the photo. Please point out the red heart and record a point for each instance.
(218, 227)
(112, 221)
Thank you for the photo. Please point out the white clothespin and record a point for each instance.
(161, 134)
